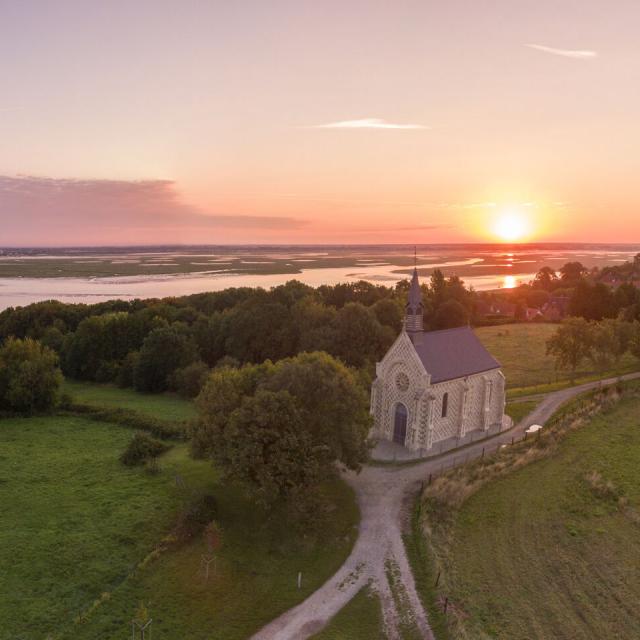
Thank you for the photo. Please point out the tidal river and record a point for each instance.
(215, 270)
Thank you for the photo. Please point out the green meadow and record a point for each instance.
(360, 619)
(521, 350)
(84, 539)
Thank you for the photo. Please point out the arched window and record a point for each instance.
(445, 404)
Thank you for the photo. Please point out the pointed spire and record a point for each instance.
(415, 294)
(413, 310)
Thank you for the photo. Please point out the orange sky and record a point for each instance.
(319, 121)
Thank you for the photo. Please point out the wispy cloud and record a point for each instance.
(566, 53)
(426, 227)
(121, 209)
(368, 123)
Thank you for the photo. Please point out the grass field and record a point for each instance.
(161, 406)
(521, 350)
(361, 619)
(552, 550)
(519, 410)
(74, 523)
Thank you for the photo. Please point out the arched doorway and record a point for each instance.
(400, 424)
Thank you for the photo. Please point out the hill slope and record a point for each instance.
(552, 550)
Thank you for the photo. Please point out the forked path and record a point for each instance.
(378, 557)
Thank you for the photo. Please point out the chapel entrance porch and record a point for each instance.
(400, 424)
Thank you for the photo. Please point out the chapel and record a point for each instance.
(435, 388)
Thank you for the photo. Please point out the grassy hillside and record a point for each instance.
(552, 550)
(162, 406)
(360, 619)
(74, 523)
(521, 349)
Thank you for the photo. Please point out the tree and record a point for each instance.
(267, 447)
(573, 272)
(605, 344)
(221, 395)
(208, 332)
(359, 337)
(571, 344)
(29, 376)
(99, 339)
(163, 351)
(188, 381)
(592, 302)
(450, 314)
(389, 313)
(546, 279)
(634, 339)
(437, 288)
(333, 403)
(258, 330)
(280, 428)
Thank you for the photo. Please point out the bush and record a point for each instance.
(196, 517)
(132, 419)
(141, 448)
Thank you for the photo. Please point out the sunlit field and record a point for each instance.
(521, 350)
(552, 550)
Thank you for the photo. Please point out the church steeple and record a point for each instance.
(414, 308)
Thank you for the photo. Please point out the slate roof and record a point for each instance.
(452, 353)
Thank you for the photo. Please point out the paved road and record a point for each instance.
(384, 495)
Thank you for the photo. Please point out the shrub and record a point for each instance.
(141, 448)
(196, 517)
(132, 419)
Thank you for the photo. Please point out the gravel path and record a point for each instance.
(385, 495)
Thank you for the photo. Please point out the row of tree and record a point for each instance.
(153, 345)
(603, 343)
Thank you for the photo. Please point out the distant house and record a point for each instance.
(434, 386)
(532, 313)
(497, 308)
(556, 308)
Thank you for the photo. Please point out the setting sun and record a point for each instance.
(512, 226)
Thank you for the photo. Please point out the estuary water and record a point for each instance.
(182, 271)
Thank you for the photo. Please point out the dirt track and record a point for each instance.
(382, 493)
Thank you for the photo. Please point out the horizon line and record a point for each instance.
(321, 244)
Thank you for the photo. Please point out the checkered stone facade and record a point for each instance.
(474, 402)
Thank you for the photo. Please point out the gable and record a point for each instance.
(403, 353)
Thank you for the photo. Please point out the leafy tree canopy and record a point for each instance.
(29, 376)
